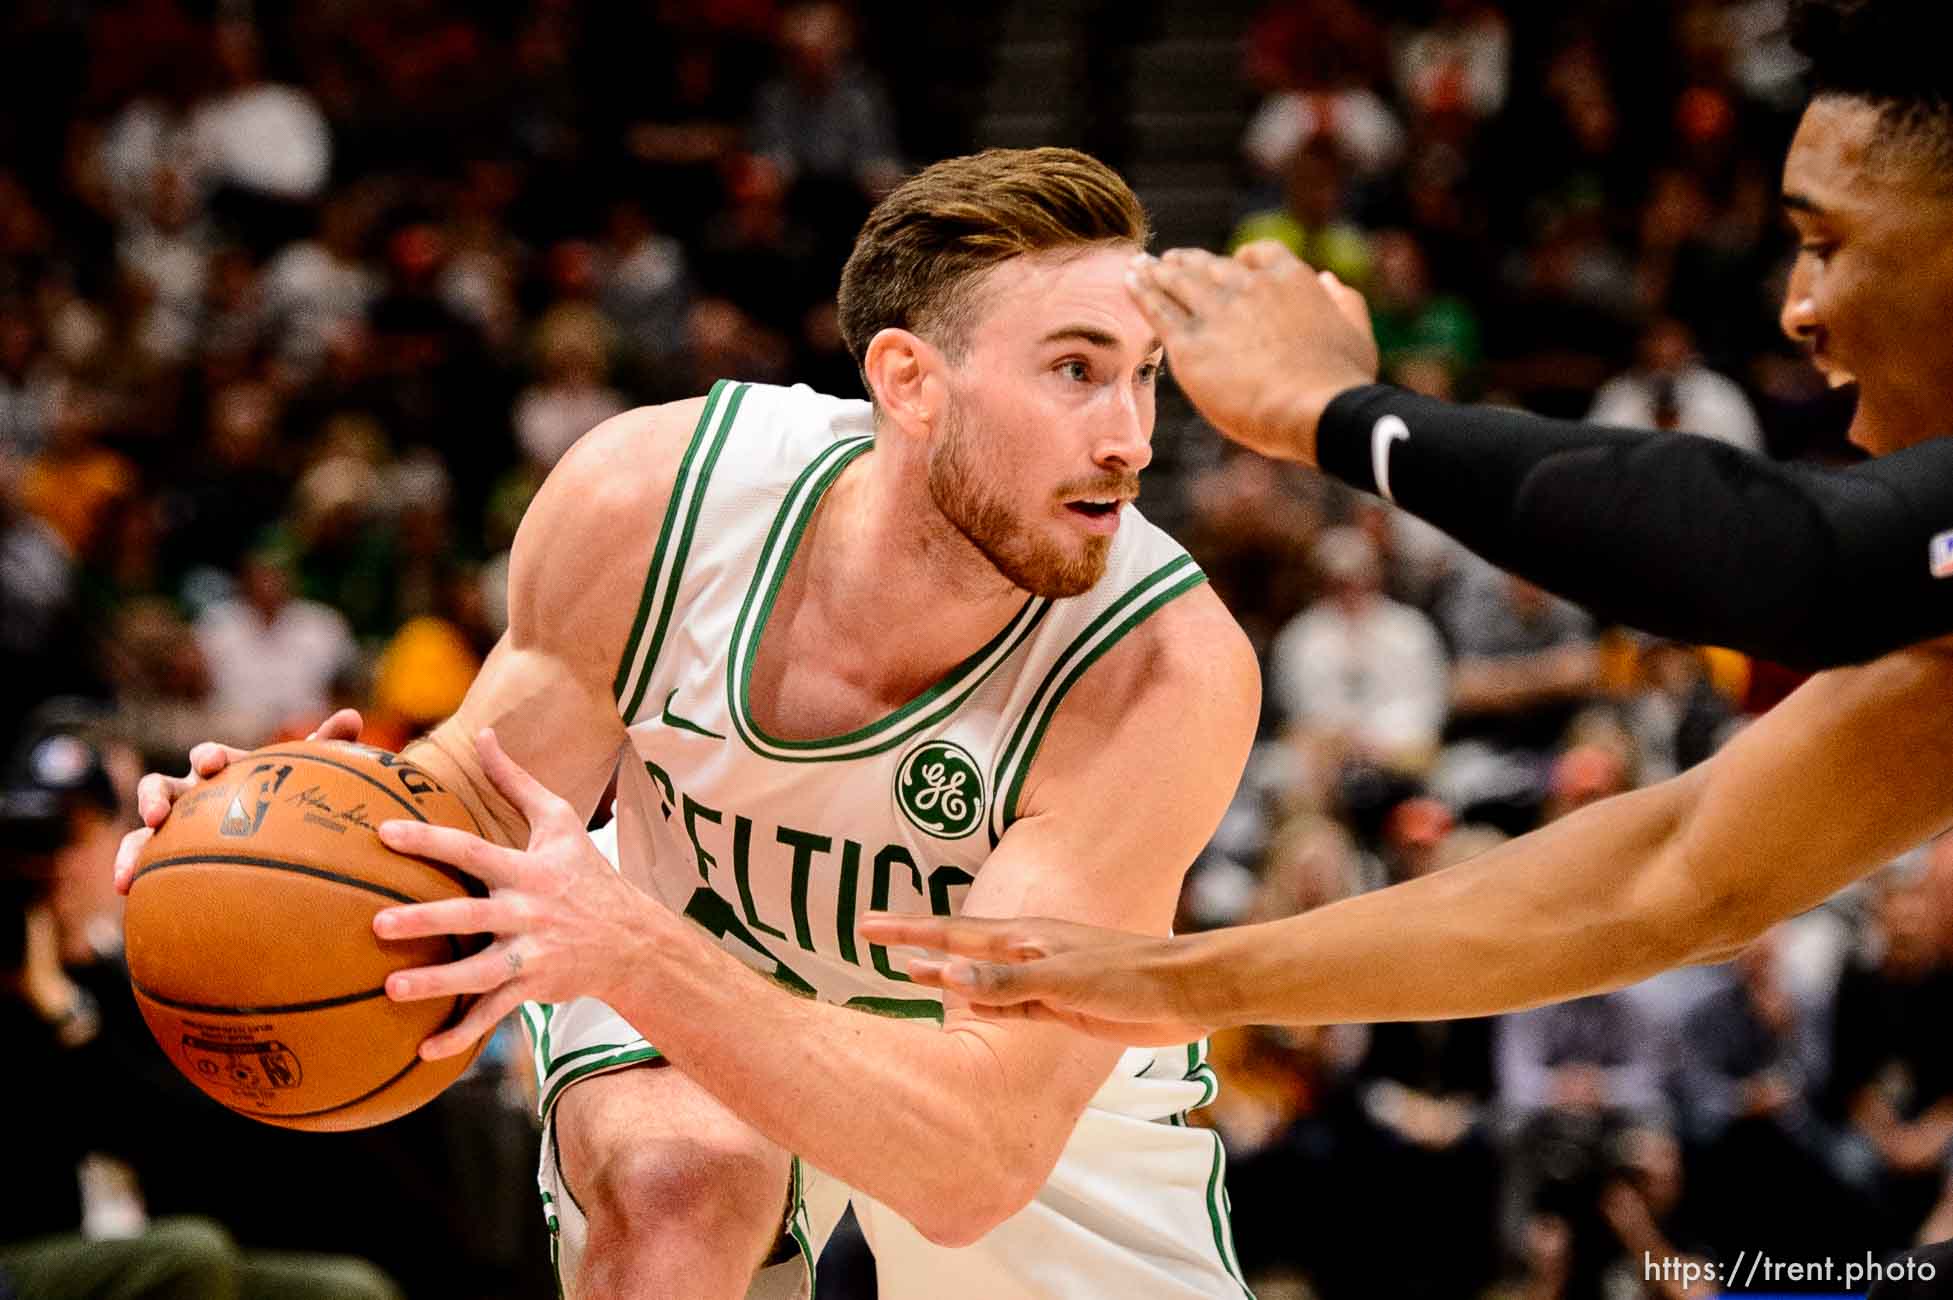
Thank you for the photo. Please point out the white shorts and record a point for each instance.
(1135, 1207)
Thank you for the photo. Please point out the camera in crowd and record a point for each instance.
(56, 774)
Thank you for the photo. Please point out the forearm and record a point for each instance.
(449, 758)
(543, 710)
(948, 1143)
(1672, 533)
(1595, 901)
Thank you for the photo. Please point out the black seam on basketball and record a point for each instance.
(272, 864)
(475, 885)
(289, 1008)
(369, 1094)
(461, 1005)
(350, 770)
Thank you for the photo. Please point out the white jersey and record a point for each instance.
(777, 846)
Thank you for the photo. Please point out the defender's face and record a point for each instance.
(1871, 293)
(1050, 418)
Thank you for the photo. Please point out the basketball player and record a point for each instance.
(1828, 567)
(919, 654)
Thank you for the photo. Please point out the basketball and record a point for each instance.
(251, 945)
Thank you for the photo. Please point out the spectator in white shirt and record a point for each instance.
(1672, 391)
(273, 657)
(1359, 668)
(264, 150)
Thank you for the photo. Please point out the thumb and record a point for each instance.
(1348, 301)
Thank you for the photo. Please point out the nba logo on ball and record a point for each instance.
(1939, 555)
(939, 789)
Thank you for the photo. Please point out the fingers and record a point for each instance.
(210, 758)
(929, 971)
(448, 916)
(155, 794)
(1185, 275)
(343, 725)
(486, 862)
(126, 854)
(1162, 310)
(992, 984)
(962, 977)
(488, 969)
(477, 1024)
(1348, 301)
(530, 797)
(1183, 284)
(995, 940)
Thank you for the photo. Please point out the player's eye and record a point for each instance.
(1149, 371)
(1075, 369)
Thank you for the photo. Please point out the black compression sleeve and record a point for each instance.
(1676, 534)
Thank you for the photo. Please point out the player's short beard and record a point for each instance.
(974, 503)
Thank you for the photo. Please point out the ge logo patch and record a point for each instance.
(940, 789)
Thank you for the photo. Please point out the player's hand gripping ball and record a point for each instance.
(251, 945)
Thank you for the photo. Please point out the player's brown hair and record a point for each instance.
(919, 251)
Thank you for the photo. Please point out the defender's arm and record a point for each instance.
(1670, 532)
(1847, 773)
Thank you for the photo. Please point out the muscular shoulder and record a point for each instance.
(580, 555)
(1180, 693)
(1190, 654)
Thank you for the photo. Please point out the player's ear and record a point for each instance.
(905, 372)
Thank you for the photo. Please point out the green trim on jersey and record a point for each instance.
(800, 1227)
(668, 560)
(776, 556)
(601, 1065)
(1198, 1071)
(535, 1018)
(1219, 1214)
(1172, 579)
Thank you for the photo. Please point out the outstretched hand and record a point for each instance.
(1125, 988)
(1260, 342)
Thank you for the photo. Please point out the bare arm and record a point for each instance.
(968, 1121)
(1850, 771)
(574, 577)
(1847, 773)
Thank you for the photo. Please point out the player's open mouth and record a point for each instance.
(1098, 515)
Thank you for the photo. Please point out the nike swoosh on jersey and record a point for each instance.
(671, 719)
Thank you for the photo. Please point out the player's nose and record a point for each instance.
(1799, 318)
(1126, 440)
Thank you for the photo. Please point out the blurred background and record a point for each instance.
(299, 303)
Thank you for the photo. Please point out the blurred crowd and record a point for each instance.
(299, 303)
